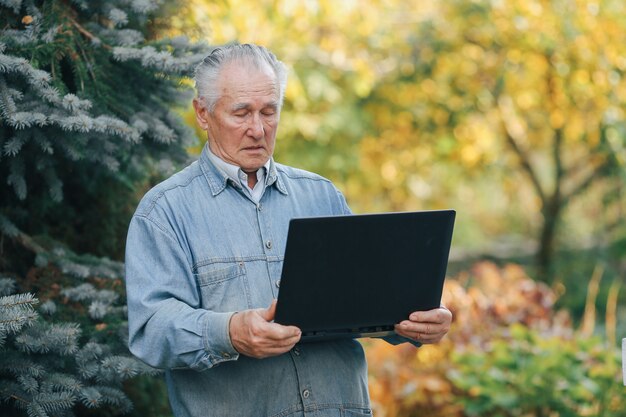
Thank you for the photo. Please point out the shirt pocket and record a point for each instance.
(223, 287)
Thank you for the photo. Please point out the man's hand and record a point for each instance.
(426, 326)
(253, 334)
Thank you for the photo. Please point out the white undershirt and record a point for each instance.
(236, 174)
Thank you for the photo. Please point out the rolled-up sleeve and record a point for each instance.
(167, 326)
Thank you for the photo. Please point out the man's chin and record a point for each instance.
(253, 164)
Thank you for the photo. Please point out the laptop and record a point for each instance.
(356, 276)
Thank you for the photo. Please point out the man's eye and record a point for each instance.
(243, 114)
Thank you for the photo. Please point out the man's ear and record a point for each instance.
(202, 113)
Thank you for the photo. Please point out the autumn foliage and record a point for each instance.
(509, 353)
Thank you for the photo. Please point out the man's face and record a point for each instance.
(242, 128)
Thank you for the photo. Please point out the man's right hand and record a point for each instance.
(253, 334)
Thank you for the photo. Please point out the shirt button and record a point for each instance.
(306, 393)
(296, 351)
(268, 244)
(225, 355)
(278, 284)
(259, 207)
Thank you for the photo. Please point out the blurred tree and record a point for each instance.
(332, 70)
(417, 104)
(532, 86)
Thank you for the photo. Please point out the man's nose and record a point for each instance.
(256, 129)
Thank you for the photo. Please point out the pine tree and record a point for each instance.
(47, 370)
(87, 116)
(86, 107)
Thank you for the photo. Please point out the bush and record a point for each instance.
(509, 353)
(527, 374)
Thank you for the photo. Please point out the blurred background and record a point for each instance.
(512, 112)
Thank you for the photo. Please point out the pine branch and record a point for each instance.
(91, 351)
(16, 364)
(7, 227)
(13, 146)
(61, 339)
(16, 177)
(35, 410)
(7, 286)
(117, 398)
(15, 5)
(88, 34)
(10, 390)
(16, 312)
(61, 382)
(118, 17)
(90, 397)
(48, 308)
(7, 104)
(18, 301)
(51, 402)
(28, 384)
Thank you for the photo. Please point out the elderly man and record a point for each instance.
(204, 256)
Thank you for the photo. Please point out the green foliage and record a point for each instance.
(149, 395)
(50, 365)
(88, 120)
(86, 115)
(531, 374)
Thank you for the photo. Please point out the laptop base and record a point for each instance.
(377, 331)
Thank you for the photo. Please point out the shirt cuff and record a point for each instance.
(216, 339)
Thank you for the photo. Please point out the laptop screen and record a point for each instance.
(361, 274)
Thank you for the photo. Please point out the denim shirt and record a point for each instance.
(198, 250)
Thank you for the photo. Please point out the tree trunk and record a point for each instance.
(545, 252)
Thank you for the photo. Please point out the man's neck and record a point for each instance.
(252, 178)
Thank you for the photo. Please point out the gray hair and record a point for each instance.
(208, 71)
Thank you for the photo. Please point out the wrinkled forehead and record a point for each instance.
(239, 78)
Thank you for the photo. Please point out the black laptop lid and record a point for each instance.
(345, 273)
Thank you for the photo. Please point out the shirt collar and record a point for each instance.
(218, 172)
(233, 171)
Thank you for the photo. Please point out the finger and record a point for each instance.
(276, 332)
(269, 313)
(421, 330)
(438, 315)
(419, 336)
(421, 327)
(276, 346)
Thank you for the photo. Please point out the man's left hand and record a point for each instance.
(426, 326)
